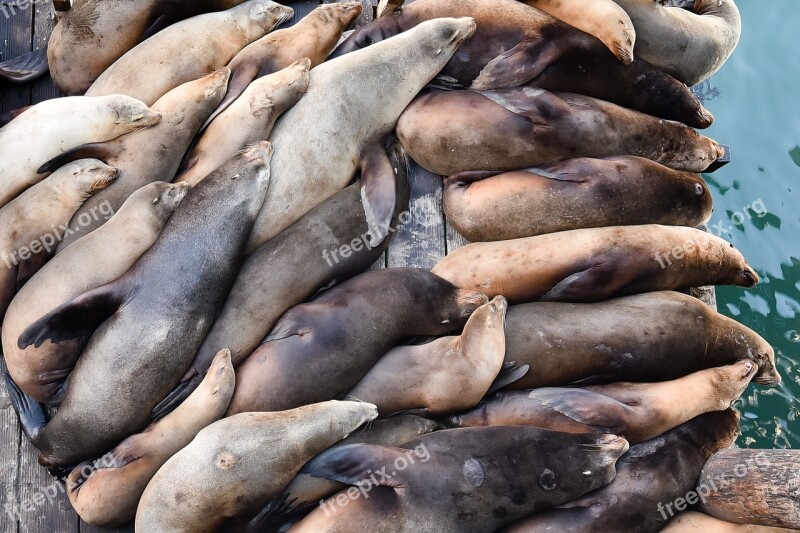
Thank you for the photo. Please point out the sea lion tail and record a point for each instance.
(25, 68)
(32, 417)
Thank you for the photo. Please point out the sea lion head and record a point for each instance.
(347, 416)
(269, 15)
(447, 34)
(168, 196)
(91, 175)
(288, 86)
(339, 14)
(764, 356)
(131, 114)
(730, 381)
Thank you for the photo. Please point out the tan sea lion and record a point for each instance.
(691, 45)
(150, 155)
(510, 129)
(249, 119)
(694, 522)
(447, 375)
(55, 126)
(30, 223)
(188, 50)
(239, 463)
(595, 264)
(107, 495)
(93, 260)
(574, 194)
(648, 337)
(637, 411)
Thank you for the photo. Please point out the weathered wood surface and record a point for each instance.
(760, 487)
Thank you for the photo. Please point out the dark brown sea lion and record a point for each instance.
(516, 44)
(588, 265)
(150, 322)
(650, 476)
(449, 132)
(574, 194)
(318, 351)
(327, 246)
(637, 411)
(649, 337)
(239, 463)
(457, 480)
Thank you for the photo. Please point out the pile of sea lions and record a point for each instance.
(188, 249)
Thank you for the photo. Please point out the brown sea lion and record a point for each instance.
(637, 411)
(694, 522)
(474, 479)
(651, 475)
(239, 463)
(188, 50)
(574, 194)
(447, 375)
(524, 127)
(516, 45)
(93, 260)
(87, 38)
(649, 337)
(151, 311)
(327, 246)
(691, 45)
(318, 351)
(589, 265)
(107, 495)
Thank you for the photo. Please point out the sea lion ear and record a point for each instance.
(378, 191)
(75, 319)
(103, 151)
(352, 464)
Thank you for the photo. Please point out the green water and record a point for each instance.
(758, 114)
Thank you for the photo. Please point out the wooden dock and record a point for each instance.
(31, 500)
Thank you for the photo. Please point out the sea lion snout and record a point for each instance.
(748, 277)
(266, 10)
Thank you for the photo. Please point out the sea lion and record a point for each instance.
(172, 57)
(648, 337)
(313, 37)
(475, 479)
(87, 38)
(305, 490)
(637, 411)
(516, 45)
(239, 463)
(25, 68)
(604, 19)
(510, 129)
(151, 311)
(447, 375)
(689, 45)
(31, 222)
(55, 126)
(650, 476)
(328, 245)
(93, 260)
(320, 146)
(588, 265)
(150, 155)
(694, 522)
(249, 119)
(318, 351)
(574, 194)
(107, 495)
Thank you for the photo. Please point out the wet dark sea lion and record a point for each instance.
(318, 351)
(694, 522)
(589, 265)
(574, 194)
(516, 45)
(457, 480)
(637, 411)
(651, 476)
(151, 311)
(646, 338)
(509, 129)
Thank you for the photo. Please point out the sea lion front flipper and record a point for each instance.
(517, 66)
(184, 389)
(103, 151)
(76, 318)
(32, 418)
(278, 511)
(602, 413)
(26, 67)
(243, 75)
(510, 373)
(378, 191)
(349, 464)
(592, 284)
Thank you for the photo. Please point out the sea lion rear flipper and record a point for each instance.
(378, 191)
(517, 66)
(32, 417)
(510, 373)
(76, 318)
(278, 511)
(25, 68)
(602, 413)
(351, 463)
(103, 151)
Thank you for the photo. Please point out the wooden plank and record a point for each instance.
(17, 41)
(44, 20)
(9, 462)
(86, 528)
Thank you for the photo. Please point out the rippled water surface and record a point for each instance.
(755, 101)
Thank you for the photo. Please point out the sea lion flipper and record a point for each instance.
(574, 288)
(600, 412)
(32, 417)
(176, 397)
(349, 464)
(378, 191)
(510, 373)
(103, 151)
(243, 75)
(278, 511)
(516, 66)
(74, 319)
(26, 67)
